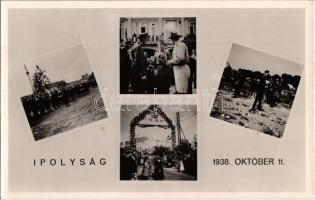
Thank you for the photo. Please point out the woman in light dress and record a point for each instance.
(180, 58)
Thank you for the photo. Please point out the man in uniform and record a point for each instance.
(260, 89)
(139, 70)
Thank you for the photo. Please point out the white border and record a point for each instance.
(309, 77)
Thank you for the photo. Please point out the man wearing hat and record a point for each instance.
(131, 165)
(260, 89)
(139, 70)
(125, 67)
(179, 61)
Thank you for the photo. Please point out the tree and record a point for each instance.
(40, 80)
(194, 142)
(184, 147)
(161, 150)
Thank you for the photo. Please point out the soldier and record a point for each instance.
(86, 87)
(39, 103)
(34, 105)
(54, 98)
(139, 71)
(260, 89)
(65, 96)
(46, 101)
(239, 83)
(277, 88)
(27, 107)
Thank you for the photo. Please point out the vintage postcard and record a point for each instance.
(158, 55)
(158, 143)
(157, 99)
(60, 92)
(257, 90)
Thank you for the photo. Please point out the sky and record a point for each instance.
(247, 58)
(188, 123)
(39, 34)
(67, 63)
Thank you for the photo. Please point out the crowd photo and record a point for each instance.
(158, 143)
(257, 90)
(158, 56)
(60, 93)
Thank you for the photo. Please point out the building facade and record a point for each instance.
(157, 28)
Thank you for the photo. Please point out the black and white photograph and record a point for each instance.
(60, 92)
(158, 55)
(158, 142)
(257, 90)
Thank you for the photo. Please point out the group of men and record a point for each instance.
(266, 88)
(38, 104)
(140, 167)
(136, 165)
(140, 74)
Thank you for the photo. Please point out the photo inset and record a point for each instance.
(60, 92)
(158, 142)
(158, 55)
(257, 90)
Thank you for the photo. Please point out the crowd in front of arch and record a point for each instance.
(137, 165)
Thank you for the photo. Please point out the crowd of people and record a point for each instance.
(141, 74)
(131, 161)
(272, 89)
(41, 103)
(136, 165)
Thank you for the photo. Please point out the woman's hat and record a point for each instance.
(175, 36)
(128, 42)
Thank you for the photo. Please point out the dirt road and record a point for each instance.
(80, 112)
(271, 121)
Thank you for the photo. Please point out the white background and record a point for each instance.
(277, 31)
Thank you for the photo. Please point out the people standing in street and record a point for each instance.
(131, 166)
(158, 169)
(181, 166)
(179, 62)
(124, 168)
(147, 168)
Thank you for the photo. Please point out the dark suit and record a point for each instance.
(139, 69)
(260, 89)
(125, 70)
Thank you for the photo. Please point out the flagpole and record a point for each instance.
(29, 78)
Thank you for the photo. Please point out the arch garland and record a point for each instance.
(136, 120)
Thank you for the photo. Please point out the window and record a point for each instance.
(192, 27)
(171, 26)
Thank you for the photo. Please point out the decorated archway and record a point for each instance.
(151, 110)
